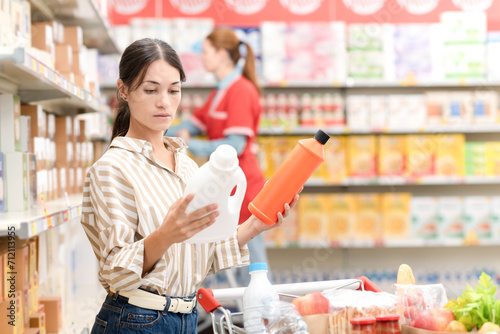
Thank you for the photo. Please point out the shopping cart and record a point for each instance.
(210, 299)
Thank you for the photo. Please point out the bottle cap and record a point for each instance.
(224, 158)
(257, 266)
(322, 137)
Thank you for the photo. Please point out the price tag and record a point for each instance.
(34, 65)
(33, 228)
(42, 70)
(78, 208)
(44, 207)
(58, 80)
(66, 215)
(49, 222)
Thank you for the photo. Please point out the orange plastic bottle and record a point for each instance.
(286, 182)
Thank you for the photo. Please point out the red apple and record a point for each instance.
(312, 303)
(434, 319)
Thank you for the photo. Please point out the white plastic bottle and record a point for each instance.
(213, 183)
(258, 300)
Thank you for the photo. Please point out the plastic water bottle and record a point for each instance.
(258, 297)
(213, 183)
(286, 182)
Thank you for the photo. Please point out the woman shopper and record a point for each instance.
(134, 210)
(230, 116)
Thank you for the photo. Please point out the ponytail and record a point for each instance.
(122, 120)
(249, 68)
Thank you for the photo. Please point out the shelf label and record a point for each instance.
(42, 70)
(65, 215)
(33, 228)
(58, 80)
(34, 65)
(49, 222)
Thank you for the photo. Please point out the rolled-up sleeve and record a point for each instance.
(109, 218)
(228, 254)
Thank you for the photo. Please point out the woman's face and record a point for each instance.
(154, 103)
(210, 56)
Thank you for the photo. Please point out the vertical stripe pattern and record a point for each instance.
(127, 194)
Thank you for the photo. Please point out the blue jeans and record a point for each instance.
(117, 316)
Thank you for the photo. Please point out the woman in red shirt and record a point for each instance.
(230, 115)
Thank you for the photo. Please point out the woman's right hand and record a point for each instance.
(178, 226)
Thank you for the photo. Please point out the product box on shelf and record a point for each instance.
(379, 116)
(37, 320)
(17, 177)
(10, 123)
(313, 222)
(396, 215)
(32, 196)
(341, 216)
(25, 134)
(475, 159)
(42, 38)
(492, 55)
(335, 160)
(362, 156)
(460, 108)
(437, 102)
(64, 58)
(358, 113)
(3, 192)
(12, 306)
(477, 215)
(403, 107)
(368, 221)
(450, 216)
(73, 36)
(53, 313)
(392, 155)
(422, 154)
(424, 217)
(450, 155)
(486, 107)
(38, 121)
(51, 126)
(284, 234)
(495, 216)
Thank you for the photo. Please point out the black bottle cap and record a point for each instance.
(322, 137)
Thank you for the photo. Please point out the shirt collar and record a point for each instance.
(139, 145)
(230, 78)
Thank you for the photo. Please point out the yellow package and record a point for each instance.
(493, 158)
(421, 155)
(362, 156)
(392, 155)
(396, 215)
(341, 209)
(335, 160)
(451, 155)
(313, 218)
(285, 234)
(264, 155)
(367, 224)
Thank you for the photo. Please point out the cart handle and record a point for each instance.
(206, 299)
(368, 285)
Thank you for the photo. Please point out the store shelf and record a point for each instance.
(402, 181)
(399, 243)
(30, 223)
(34, 81)
(341, 130)
(97, 32)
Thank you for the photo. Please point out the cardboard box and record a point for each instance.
(368, 220)
(37, 320)
(392, 155)
(38, 120)
(64, 58)
(74, 37)
(422, 154)
(424, 217)
(362, 156)
(42, 37)
(477, 217)
(396, 215)
(10, 123)
(63, 129)
(450, 159)
(450, 215)
(53, 313)
(17, 177)
(313, 218)
(342, 216)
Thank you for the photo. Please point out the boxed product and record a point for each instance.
(17, 181)
(392, 155)
(53, 313)
(477, 217)
(341, 216)
(313, 220)
(38, 121)
(450, 155)
(404, 107)
(460, 108)
(74, 37)
(368, 221)
(10, 123)
(362, 156)
(335, 160)
(475, 159)
(358, 113)
(492, 55)
(378, 112)
(26, 145)
(424, 217)
(450, 215)
(2, 183)
(421, 155)
(466, 60)
(396, 215)
(64, 58)
(495, 216)
(492, 158)
(437, 103)
(464, 26)
(286, 233)
(485, 107)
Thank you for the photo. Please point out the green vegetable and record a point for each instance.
(477, 306)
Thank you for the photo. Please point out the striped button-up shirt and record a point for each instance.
(127, 194)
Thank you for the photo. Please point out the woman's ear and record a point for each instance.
(122, 89)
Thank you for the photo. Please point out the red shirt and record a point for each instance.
(237, 112)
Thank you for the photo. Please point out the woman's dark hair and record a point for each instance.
(225, 38)
(134, 64)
